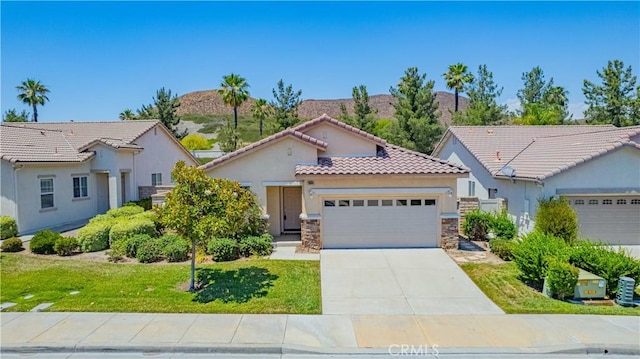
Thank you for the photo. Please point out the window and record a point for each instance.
(80, 187)
(329, 203)
(493, 192)
(635, 201)
(607, 201)
(343, 203)
(401, 202)
(472, 188)
(372, 203)
(416, 202)
(429, 202)
(578, 202)
(156, 179)
(621, 201)
(46, 193)
(387, 202)
(593, 201)
(358, 203)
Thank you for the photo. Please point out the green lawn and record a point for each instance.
(244, 286)
(501, 284)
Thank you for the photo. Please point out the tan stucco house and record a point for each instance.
(53, 174)
(341, 187)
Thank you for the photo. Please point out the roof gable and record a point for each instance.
(325, 119)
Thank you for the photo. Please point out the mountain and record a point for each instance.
(210, 103)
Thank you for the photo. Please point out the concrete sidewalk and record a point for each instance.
(247, 333)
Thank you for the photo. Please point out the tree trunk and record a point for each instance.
(35, 113)
(192, 285)
(235, 131)
(260, 127)
(456, 96)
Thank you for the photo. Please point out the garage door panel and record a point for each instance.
(610, 219)
(379, 226)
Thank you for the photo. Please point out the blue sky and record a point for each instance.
(100, 58)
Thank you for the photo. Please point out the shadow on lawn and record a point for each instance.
(238, 286)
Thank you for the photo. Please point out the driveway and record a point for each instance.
(398, 281)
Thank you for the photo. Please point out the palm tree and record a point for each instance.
(33, 93)
(456, 78)
(261, 109)
(127, 115)
(233, 90)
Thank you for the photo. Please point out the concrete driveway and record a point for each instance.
(398, 281)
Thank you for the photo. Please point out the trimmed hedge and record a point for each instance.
(123, 229)
(65, 246)
(256, 246)
(43, 242)
(561, 277)
(476, 225)
(503, 248)
(8, 227)
(126, 211)
(531, 255)
(223, 249)
(502, 226)
(174, 248)
(144, 203)
(13, 244)
(148, 251)
(94, 236)
(555, 217)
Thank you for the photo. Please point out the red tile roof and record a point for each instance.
(390, 160)
(326, 119)
(265, 141)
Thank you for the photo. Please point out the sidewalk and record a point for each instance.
(255, 333)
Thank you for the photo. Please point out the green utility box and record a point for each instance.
(590, 286)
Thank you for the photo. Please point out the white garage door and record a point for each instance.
(614, 219)
(379, 223)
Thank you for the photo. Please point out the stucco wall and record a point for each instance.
(271, 163)
(341, 142)
(66, 209)
(8, 195)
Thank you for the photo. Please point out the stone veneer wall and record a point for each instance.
(310, 234)
(449, 234)
(148, 191)
(467, 204)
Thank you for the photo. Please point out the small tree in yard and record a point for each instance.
(555, 217)
(200, 207)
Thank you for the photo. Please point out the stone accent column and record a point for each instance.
(449, 235)
(148, 191)
(310, 233)
(467, 204)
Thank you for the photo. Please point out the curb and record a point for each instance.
(253, 349)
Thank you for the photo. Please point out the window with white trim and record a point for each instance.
(635, 201)
(46, 193)
(621, 201)
(607, 201)
(593, 201)
(472, 188)
(80, 188)
(156, 179)
(578, 202)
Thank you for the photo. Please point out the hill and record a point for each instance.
(208, 102)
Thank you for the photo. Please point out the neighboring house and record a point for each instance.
(597, 168)
(58, 173)
(344, 188)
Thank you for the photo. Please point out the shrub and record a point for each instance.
(148, 251)
(126, 211)
(94, 236)
(476, 225)
(532, 252)
(174, 248)
(223, 249)
(606, 262)
(13, 244)
(8, 227)
(195, 142)
(561, 277)
(151, 216)
(555, 217)
(256, 246)
(101, 218)
(43, 242)
(65, 246)
(502, 226)
(503, 248)
(144, 203)
(128, 228)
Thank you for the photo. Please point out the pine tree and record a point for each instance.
(285, 106)
(482, 108)
(616, 100)
(541, 98)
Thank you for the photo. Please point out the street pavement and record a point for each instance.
(385, 335)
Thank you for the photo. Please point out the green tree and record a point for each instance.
(194, 142)
(261, 110)
(285, 106)
(616, 100)
(234, 92)
(363, 114)
(33, 93)
(539, 114)
(200, 207)
(483, 108)
(12, 115)
(457, 77)
(416, 112)
(164, 108)
(549, 99)
(127, 115)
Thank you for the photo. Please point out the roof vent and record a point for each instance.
(490, 132)
(498, 156)
(42, 133)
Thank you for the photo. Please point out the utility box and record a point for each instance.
(590, 286)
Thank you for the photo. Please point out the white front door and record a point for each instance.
(291, 208)
(102, 185)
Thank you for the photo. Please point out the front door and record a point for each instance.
(102, 180)
(291, 208)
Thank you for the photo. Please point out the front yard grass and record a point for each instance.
(501, 284)
(243, 286)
